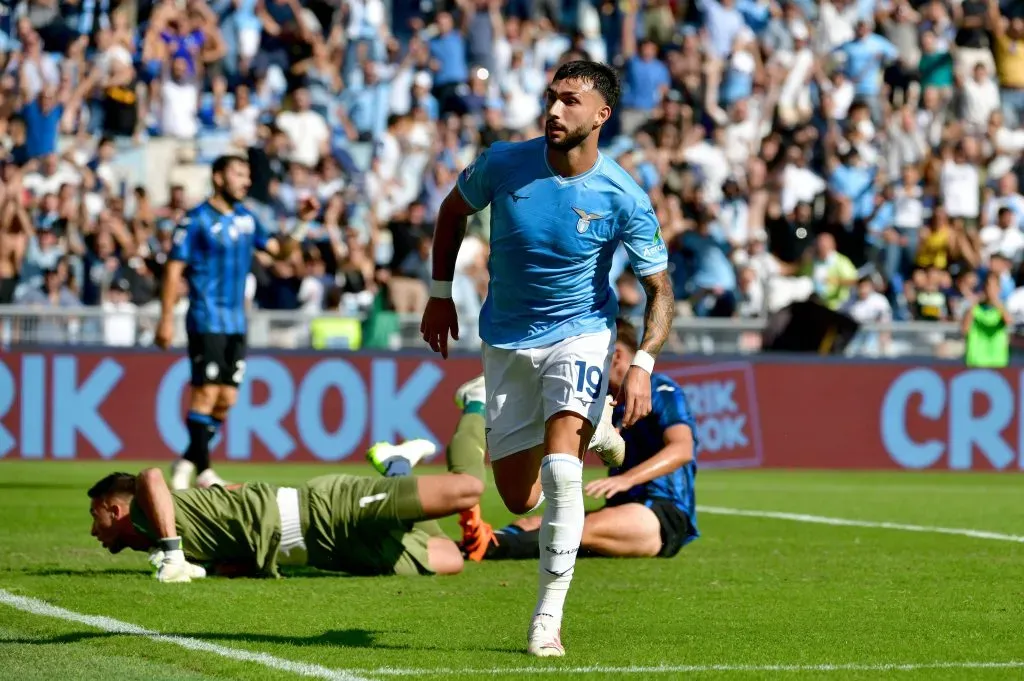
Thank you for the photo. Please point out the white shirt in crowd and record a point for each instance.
(713, 164)
(311, 295)
(307, 131)
(799, 185)
(796, 89)
(244, 125)
(1006, 242)
(960, 190)
(980, 99)
(908, 209)
(875, 309)
(179, 110)
(120, 325)
(40, 184)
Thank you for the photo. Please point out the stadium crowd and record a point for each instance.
(869, 151)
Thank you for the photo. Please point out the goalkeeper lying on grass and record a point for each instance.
(344, 523)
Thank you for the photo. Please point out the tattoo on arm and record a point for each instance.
(659, 312)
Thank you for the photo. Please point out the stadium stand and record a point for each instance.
(868, 151)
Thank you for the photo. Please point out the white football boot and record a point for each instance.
(209, 478)
(544, 639)
(470, 391)
(607, 443)
(181, 474)
(413, 451)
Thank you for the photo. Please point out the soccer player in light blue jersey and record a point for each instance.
(213, 249)
(559, 209)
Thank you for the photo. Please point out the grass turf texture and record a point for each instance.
(751, 591)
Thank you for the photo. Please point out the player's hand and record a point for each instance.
(440, 319)
(164, 333)
(174, 569)
(606, 488)
(309, 208)
(636, 394)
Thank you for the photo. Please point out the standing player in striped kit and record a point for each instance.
(213, 249)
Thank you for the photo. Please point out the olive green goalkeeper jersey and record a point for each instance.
(355, 524)
(218, 525)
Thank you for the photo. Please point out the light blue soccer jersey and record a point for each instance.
(552, 243)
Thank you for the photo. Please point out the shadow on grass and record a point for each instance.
(84, 572)
(340, 638)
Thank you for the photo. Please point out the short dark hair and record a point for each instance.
(221, 163)
(626, 334)
(601, 76)
(113, 485)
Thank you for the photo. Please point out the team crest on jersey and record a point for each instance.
(244, 224)
(583, 224)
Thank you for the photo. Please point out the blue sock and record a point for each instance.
(198, 451)
(214, 428)
(397, 467)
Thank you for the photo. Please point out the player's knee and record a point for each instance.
(445, 557)
(519, 505)
(204, 398)
(226, 399)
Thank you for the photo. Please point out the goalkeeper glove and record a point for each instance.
(170, 563)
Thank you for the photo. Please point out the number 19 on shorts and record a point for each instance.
(588, 378)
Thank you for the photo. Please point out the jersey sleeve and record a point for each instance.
(642, 239)
(184, 239)
(475, 183)
(669, 403)
(261, 235)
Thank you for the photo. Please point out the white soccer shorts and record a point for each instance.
(527, 387)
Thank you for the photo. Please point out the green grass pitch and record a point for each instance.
(753, 598)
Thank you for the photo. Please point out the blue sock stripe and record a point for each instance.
(204, 419)
(510, 529)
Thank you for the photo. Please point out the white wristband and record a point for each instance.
(299, 233)
(644, 361)
(440, 289)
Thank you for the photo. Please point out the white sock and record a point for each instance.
(561, 530)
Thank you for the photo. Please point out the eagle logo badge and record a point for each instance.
(583, 224)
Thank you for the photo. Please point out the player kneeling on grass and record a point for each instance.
(650, 505)
(344, 523)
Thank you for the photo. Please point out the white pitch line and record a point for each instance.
(846, 522)
(697, 669)
(37, 607)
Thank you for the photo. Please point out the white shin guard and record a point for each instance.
(561, 530)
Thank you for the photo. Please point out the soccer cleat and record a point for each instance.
(181, 474)
(413, 451)
(544, 639)
(209, 478)
(471, 391)
(607, 443)
(477, 536)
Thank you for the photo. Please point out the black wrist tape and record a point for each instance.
(171, 544)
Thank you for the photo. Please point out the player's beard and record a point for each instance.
(229, 198)
(573, 138)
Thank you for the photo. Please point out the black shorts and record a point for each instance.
(217, 358)
(675, 526)
(7, 289)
